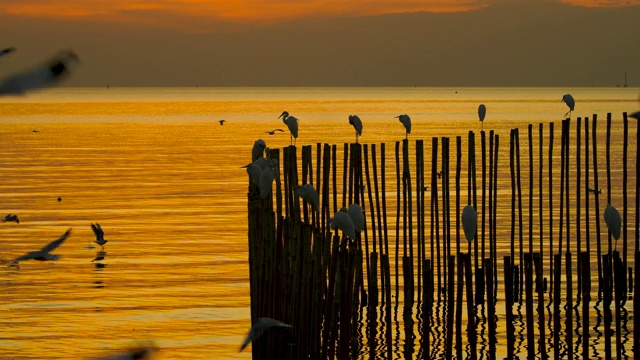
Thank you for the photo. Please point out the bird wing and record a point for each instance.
(55, 243)
(24, 257)
(278, 130)
(259, 328)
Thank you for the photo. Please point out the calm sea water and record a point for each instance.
(163, 178)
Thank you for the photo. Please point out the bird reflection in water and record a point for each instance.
(98, 260)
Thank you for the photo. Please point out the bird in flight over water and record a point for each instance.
(43, 254)
(48, 74)
(97, 229)
(273, 132)
(11, 217)
(222, 122)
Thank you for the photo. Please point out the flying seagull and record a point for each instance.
(140, 352)
(273, 132)
(42, 76)
(97, 229)
(222, 122)
(6, 51)
(43, 254)
(262, 325)
(11, 217)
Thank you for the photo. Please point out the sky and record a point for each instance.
(329, 42)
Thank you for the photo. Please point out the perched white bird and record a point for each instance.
(42, 76)
(43, 254)
(97, 229)
(342, 221)
(357, 124)
(262, 325)
(482, 111)
(308, 193)
(254, 172)
(469, 222)
(222, 122)
(258, 149)
(406, 122)
(267, 176)
(613, 221)
(6, 51)
(292, 124)
(11, 217)
(356, 213)
(571, 103)
(272, 132)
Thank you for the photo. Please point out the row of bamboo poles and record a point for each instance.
(306, 275)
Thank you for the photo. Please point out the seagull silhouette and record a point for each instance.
(43, 254)
(273, 132)
(11, 217)
(97, 229)
(222, 122)
(262, 325)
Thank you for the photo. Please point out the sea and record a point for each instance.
(163, 178)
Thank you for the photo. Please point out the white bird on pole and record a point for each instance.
(292, 124)
(571, 103)
(342, 221)
(258, 149)
(310, 195)
(469, 222)
(262, 325)
(356, 213)
(357, 124)
(482, 111)
(406, 122)
(45, 75)
(267, 176)
(43, 254)
(613, 221)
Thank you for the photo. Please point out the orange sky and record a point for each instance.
(172, 13)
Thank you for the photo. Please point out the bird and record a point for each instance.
(341, 220)
(6, 51)
(357, 124)
(100, 256)
(43, 254)
(310, 195)
(97, 229)
(267, 176)
(406, 121)
(613, 221)
(482, 111)
(11, 217)
(273, 132)
(292, 124)
(59, 199)
(571, 103)
(469, 222)
(254, 172)
(222, 122)
(356, 213)
(593, 191)
(635, 115)
(258, 149)
(262, 325)
(139, 352)
(42, 76)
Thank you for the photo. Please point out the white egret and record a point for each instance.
(342, 221)
(613, 221)
(222, 122)
(273, 132)
(262, 325)
(6, 51)
(292, 124)
(482, 111)
(357, 124)
(254, 172)
(406, 122)
(469, 222)
(571, 103)
(43, 254)
(308, 193)
(11, 217)
(356, 213)
(258, 149)
(39, 77)
(97, 230)
(267, 176)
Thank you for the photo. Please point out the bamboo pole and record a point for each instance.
(597, 202)
(551, 214)
(508, 296)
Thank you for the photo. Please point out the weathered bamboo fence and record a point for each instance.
(341, 295)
